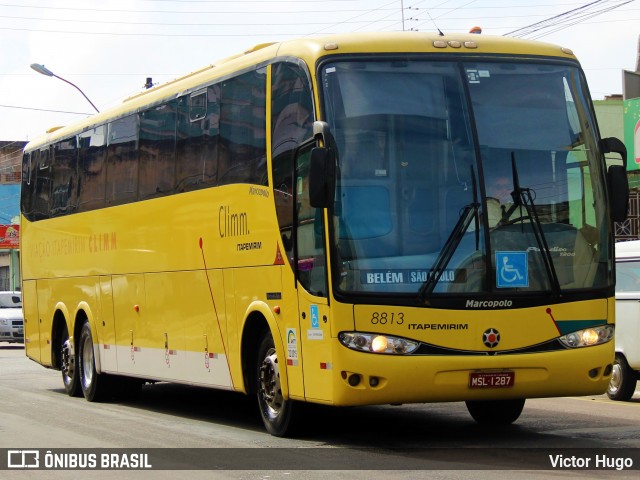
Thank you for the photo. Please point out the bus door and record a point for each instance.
(314, 319)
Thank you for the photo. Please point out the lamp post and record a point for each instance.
(45, 71)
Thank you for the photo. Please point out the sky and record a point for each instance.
(109, 47)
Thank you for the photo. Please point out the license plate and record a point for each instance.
(504, 379)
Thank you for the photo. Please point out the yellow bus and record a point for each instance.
(320, 220)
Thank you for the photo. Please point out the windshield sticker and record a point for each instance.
(512, 269)
(381, 277)
(473, 76)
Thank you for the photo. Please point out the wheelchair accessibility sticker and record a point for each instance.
(315, 317)
(512, 269)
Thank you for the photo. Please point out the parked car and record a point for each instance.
(11, 320)
(626, 366)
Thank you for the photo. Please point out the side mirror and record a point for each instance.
(618, 192)
(615, 145)
(617, 181)
(322, 177)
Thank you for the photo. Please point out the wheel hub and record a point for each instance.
(270, 390)
(86, 369)
(616, 379)
(68, 363)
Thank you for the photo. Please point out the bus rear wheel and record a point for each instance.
(276, 412)
(495, 412)
(623, 380)
(94, 385)
(69, 366)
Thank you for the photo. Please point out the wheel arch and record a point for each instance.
(258, 320)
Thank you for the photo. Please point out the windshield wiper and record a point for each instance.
(469, 212)
(522, 197)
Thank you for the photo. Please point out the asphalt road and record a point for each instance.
(212, 434)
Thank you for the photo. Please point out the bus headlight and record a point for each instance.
(588, 336)
(376, 343)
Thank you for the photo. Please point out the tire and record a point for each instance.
(276, 412)
(69, 366)
(95, 387)
(623, 380)
(495, 412)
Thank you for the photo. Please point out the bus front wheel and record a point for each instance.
(495, 412)
(276, 412)
(94, 385)
(623, 380)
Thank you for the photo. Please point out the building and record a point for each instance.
(10, 171)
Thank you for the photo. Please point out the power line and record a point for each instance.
(44, 110)
(182, 12)
(173, 24)
(566, 19)
(140, 34)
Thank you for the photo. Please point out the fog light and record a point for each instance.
(354, 380)
(374, 381)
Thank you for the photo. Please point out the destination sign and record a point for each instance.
(395, 277)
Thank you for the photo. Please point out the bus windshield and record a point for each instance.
(510, 145)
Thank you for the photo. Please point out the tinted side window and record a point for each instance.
(26, 190)
(157, 151)
(122, 161)
(65, 177)
(291, 123)
(42, 184)
(242, 146)
(197, 142)
(92, 168)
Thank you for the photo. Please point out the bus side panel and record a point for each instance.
(105, 326)
(129, 310)
(206, 334)
(31, 320)
(186, 324)
(263, 285)
(45, 304)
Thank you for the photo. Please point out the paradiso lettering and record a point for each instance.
(76, 245)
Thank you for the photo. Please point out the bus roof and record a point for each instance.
(310, 49)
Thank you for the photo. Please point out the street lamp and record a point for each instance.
(45, 71)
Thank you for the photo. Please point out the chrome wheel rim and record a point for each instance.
(616, 379)
(87, 361)
(68, 365)
(270, 391)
